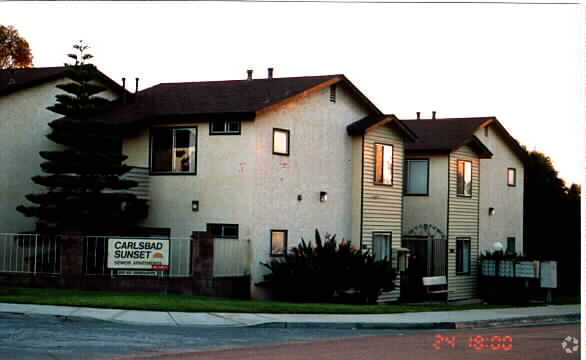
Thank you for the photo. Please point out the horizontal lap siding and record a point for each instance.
(463, 222)
(382, 204)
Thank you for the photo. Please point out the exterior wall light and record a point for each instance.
(195, 205)
(323, 196)
(491, 211)
(299, 197)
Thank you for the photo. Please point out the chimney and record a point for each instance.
(270, 72)
(419, 115)
(433, 115)
(249, 72)
(136, 89)
(124, 93)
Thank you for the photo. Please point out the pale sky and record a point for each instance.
(521, 63)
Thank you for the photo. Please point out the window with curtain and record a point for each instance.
(464, 178)
(381, 244)
(173, 150)
(463, 255)
(417, 172)
(383, 172)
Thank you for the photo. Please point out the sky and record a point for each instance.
(523, 64)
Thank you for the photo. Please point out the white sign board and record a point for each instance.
(549, 274)
(151, 254)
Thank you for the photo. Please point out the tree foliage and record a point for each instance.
(320, 272)
(553, 219)
(84, 188)
(15, 51)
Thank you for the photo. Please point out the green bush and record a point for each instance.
(326, 271)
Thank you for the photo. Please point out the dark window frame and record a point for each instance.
(226, 125)
(514, 184)
(222, 225)
(333, 93)
(514, 245)
(173, 173)
(427, 160)
(390, 234)
(382, 164)
(458, 241)
(286, 232)
(461, 187)
(275, 130)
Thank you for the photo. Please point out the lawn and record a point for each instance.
(154, 301)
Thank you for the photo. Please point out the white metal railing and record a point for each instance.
(96, 256)
(30, 253)
(231, 257)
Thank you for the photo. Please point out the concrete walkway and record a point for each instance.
(421, 320)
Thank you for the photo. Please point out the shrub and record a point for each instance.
(328, 269)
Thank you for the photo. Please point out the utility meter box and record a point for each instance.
(399, 258)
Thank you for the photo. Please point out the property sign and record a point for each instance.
(151, 254)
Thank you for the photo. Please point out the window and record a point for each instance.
(511, 248)
(173, 150)
(224, 231)
(417, 177)
(225, 127)
(381, 243)
(463, 255)
(280, 142)
(278, 242)
(383, 172)
(333, 93)
(511, 177)
(464, 178)
(486, 131)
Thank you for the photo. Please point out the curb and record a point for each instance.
(529, 320)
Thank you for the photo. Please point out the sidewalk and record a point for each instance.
(421, 320)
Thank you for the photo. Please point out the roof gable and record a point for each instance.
(12, 80)
(361, 126)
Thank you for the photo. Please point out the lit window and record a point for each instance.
(280, 142)
(224, 231)
(462, 255)
(383, 173)
(512, 177)
(278, 242)
(173, 150)
(417, 177)
(464, 178)
(225, 127)
(381, 244)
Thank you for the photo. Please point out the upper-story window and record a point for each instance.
(464, 178)
(511, 177)
(417, 177)
(281, 142)
(383, 170)
(225, 127)
(173, 150)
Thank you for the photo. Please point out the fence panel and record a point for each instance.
(30, 253)
(231, 257)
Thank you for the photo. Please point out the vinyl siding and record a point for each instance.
(463, 215)
(382, 204)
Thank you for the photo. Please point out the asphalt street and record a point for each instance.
(40, 337)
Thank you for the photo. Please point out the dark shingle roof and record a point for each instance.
(210, 98)
(12, 80)
(359, 127)
(446, 135)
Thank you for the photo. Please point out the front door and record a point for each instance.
(427, 258)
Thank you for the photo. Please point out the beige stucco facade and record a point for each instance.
(240, 181)
(23, 131)
(506, 200)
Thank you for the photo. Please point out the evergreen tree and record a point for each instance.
(84, 189)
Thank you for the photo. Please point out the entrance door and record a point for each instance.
(427, 258)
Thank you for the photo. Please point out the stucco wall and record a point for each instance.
(24, 125)
(320, 160)
(430, 209)
(240, 181)
(506, 200)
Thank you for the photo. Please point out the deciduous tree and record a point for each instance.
(15, 51)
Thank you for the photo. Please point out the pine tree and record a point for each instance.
(80, 178)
